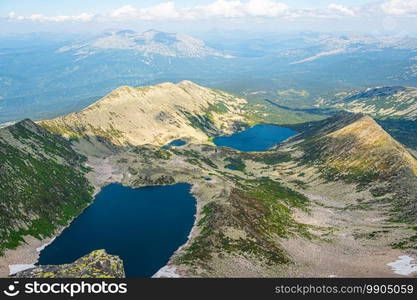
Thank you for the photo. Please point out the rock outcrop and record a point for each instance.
(97, 264)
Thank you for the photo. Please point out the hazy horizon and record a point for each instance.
(385, 17)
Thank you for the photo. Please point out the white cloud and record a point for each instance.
(165, 10)
(83, 17)
(229, 9)
(168, 11)
(126, 11)
(341, 10)
(219, 8)
(400, 7)
(266, 8)
(238, 9)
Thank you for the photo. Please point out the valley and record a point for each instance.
(336, 199)
(45, 76)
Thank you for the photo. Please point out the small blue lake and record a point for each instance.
(256, 138)
(231, 167)
(143, 226)
(176, 143)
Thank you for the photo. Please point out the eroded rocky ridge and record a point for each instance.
(97, 264)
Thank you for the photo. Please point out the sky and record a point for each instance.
(371, 16)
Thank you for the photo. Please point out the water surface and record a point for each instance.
(143, 226)
(256, 138)
(176, 143)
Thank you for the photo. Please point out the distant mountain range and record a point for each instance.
(380, 102)
(45, 80)
(148, 44)
(322, 45)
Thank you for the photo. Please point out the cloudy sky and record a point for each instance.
(384, 16)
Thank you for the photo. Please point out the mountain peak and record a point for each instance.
(152, 32)
(150, 43)
(27, 122)
(153, 115)
(188, 83)
(364, 147)
(125, 32)
(366, 131)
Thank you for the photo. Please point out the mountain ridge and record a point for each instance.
(166, 111)
(247, 217)
(149, 43)
(379, 102)
(356, 149)
(42, 183)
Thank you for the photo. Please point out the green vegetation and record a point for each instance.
(42, 184)
(394, 102)
(326, 153)
(63, 130)
(278, 217)
(195, 157)
(110, 134)
(409, 243)
(376, 163)
(203, 122)
(218, 107)
(258, 211)
(405, 131)
(97, 264)
(261, 111)
(152, 153)
(268, 158)
(371, 235)
(235, 162)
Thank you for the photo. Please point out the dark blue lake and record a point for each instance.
(143, 226)
(256, 138)
(231, 167)
(176, 143)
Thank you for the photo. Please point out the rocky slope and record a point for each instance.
(97, 264)
(322, 45)
(334, 189)
(380, 102)
(362, 146)
(342, 190)
(153, 115)
(42, 183)
(356, 149)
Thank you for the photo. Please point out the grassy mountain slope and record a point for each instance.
(364, 146)
(356, 149)
(245, 217)
(405, 131)
(154, 114)
(42, 183)
(379, 102)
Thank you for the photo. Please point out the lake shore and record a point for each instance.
(27, 254)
